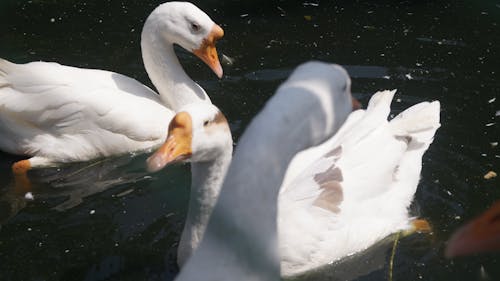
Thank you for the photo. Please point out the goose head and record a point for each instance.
(199, 132)
(184, 24)
(321, 79)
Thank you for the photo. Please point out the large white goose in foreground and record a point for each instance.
(356, 193)
(55, 113)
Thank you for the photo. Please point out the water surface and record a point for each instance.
(111, 220)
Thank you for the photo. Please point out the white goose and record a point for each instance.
(55, 113)
(335, 207)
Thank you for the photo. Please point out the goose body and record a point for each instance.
(56, 114)
(336, 206)
(69, 114)
(359, 190)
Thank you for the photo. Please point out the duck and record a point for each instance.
(57, 114)
(243, 224)
(480, 235)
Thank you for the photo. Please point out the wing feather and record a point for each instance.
(48, 103)
(374, 153)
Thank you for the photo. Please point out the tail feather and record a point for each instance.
(418, 122)
(381, 97)
(417, 125)
(380, 104)
(5, 68)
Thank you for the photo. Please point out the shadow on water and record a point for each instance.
(93, 221)
(65, 187)
(109, 220)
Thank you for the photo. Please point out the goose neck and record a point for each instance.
(206, 182)
(175, 87)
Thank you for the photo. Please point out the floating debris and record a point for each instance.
(408, 76)
(490, 175)
(92, 212)
(442, 42)
(492, 100)
(29, 196)
(484, 275)
(226, 60)
(310, 4)
(243, 15)
(490, 124)
(308, 17)
(497, 113)
(494, 144)
(128, 191)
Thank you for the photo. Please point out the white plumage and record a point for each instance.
(376, 165)
(355, 191)
(55, 113)
(71, 114)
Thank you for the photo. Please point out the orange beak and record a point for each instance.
(207, 51)
(480, 235)
(355, 104)
(177, 147)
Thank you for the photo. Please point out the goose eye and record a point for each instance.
(206, 123)
(195, 27)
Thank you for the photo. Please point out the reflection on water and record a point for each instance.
(72, 183)
(357, 72)
(66, 187)
(110, 220)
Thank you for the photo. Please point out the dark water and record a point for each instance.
(110, 220)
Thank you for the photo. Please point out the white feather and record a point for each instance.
(58, 113)
(380, 162)
(370, 169)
